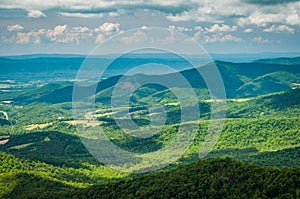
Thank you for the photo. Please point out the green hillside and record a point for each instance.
(23, 185)
(213, 178)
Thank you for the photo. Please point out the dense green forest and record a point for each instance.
(211, 178)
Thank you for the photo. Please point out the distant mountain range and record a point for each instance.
(240, 80)
(231, 57)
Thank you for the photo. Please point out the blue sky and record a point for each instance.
(220, 26)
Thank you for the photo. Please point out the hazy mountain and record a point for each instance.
(240, 80)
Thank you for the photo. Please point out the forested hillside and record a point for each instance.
(211, 178)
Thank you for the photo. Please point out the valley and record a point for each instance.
(42, 154)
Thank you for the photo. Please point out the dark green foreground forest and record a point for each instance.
(211, 178)
(256, 156)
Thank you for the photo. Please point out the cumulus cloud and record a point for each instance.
(241, 13)
(63, 34)
(24, 38)
(279, 29)
(262, 19)
(205, 37)
(83, 15)
(280, 14)
(212, 11)
(221, 28)
(220, 38)
(57, 31)
(16, 27)
(230, 38)
(180, 28)
(81, 29)
(108, 28)
(35, 14)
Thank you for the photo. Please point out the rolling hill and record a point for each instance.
(240, 80)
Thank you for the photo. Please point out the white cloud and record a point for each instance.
(283, 14)
(230, 38)
(218, 11)
(57, 31)
(220, 38)
(180, 28)
(279, 29)
(16, 27)
(204, 37)
(80, 29)
(108, 28)
(212, 11)
(24, 38)
(262, 19)
(221, 28)
(248, 30)
(63, 34)
(293, 19)
(35, 14)
(82, 15)
(192, 16)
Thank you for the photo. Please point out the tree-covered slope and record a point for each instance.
(282, 104)
(212, 178)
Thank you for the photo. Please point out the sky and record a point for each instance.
(220, 26)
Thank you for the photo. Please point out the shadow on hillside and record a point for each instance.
(282, 158)
(32, 186)
(64, 150)
(51, 147)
